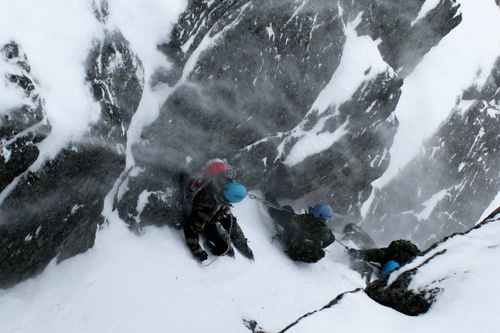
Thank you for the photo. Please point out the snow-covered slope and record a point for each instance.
(151, 283)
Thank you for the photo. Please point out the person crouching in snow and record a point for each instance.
(211, 215)
(304, 236)
(386, 259)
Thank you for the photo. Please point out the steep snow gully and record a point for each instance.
(387, 111)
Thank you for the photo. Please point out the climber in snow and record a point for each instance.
(387, 259)
(210, 214)
(304, 236)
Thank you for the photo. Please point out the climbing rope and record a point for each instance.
(272, 205)
(345, 246)
(210, 263)
(228, 246)
(267, 203)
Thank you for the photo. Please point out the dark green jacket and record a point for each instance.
(208, 208)
(305, 237)
(306, 227)
(402, 251)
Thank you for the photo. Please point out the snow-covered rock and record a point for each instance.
(454, 178)
(23, 120)
(54, 210)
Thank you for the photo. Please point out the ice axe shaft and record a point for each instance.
(267, 203)
(345, 246)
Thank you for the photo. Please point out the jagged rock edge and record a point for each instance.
(252, 324)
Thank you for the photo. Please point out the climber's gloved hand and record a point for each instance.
(201, 255)
(356, 254)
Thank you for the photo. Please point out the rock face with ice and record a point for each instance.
(453, 179)
(25, 123)
(55, 210)
(298, 96)
(268, 86)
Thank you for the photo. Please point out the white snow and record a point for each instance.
(464, 57)
(426, 8)
(145, 24)
(270, 31)
(466, 274)
(10, 94)
(56, 40)
(430, 204)
(151, 283)
(314, 141)
(495, 203)
(361, 61)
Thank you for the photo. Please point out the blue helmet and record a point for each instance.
(322, 211)
(390, 266)
(234, 192)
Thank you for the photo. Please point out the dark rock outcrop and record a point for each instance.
(54, 212)
(399, 296)
(25, 124)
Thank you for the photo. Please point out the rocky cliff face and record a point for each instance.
(246, 83)
(25, 124)
(260, 83)
(55, 211)
(454, 178)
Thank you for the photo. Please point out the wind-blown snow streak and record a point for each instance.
(314, 141)
(426, 8)
(430, 204)
(361, 61)
(208, 42)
